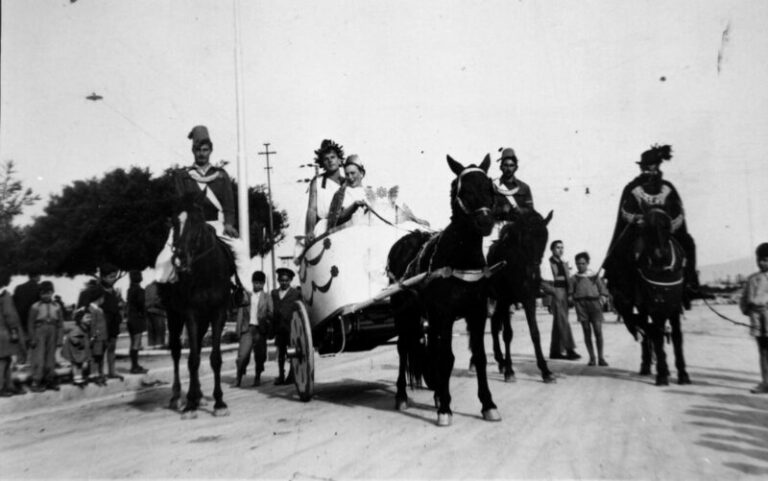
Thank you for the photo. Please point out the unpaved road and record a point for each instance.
(593, 423)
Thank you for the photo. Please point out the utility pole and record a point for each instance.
(266, 154)
(242, 169)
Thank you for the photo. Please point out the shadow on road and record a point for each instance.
(734, 424)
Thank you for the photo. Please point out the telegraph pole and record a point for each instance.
(266, 154)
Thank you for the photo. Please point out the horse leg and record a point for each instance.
(509, 373)
(662, 370)
(496, 326)
(677, 344)
(530, 316)
(219, 406)
(441, 335)
(193, 364)
(646, 346)
(175, 326)
(404, 340)
(476, 322)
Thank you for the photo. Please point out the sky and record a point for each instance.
(578, 89)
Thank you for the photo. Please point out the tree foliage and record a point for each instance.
(122, 218)
(13, 198)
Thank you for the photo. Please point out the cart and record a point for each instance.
(345, 297)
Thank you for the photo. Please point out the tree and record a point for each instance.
(122, 218)
(13, 198)
(258, 209)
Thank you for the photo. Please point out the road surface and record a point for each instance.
(594, 423)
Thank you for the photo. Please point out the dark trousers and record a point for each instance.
(155, 329)
(254, 341)
(44, 353)
(562, 337)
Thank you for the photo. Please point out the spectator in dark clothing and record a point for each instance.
(156, 316)
(10, 326)
(137, 320)
(283, 302)
(24, 296)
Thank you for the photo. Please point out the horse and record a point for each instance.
(198, 299)
(660, 282)
(456, 285)
(521, 244)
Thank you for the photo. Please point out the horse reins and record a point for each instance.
(457, 198)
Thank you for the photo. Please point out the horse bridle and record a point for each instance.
(460, 202)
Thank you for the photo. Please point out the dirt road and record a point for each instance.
(593, 423)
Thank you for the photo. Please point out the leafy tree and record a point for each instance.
(122, 218)
(258, 210)
(13, 198)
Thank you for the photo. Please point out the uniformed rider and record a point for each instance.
(218, 206)
(514, 196)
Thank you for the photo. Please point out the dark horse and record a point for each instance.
(456, 285)
(197, 300)
(659, 290)
(521, 244)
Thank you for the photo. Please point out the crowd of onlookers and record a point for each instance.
(39, 334)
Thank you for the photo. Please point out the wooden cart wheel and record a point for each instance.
(302, 352)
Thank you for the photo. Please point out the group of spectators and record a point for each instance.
(32, 329)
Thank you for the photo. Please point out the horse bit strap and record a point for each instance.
(458, 191)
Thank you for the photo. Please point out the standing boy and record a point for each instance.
(45, 321)
(589, 296)
(111, 305)
(253, 326)
(754, 303)
(284, 300)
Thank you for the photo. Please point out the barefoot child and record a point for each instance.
(754, 303)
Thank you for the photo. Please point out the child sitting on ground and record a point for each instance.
(754, 303)
(589, 296)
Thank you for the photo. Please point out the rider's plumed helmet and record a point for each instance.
(655, 155)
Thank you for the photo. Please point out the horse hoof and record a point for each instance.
(662, 381)
(187, 415)
(510, 378)
(444, 419)
(221, 412)
(549, 378)
(645, 371)
(501, 368)
(683, 379)
(174, 405)
(401, 405)
(492, 415)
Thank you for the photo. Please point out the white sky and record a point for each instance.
(574, 87)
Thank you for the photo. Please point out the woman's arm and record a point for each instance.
(311, 219)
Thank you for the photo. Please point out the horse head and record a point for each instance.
(526, 238)
(473, 195)
(655, 237)
(194, 238)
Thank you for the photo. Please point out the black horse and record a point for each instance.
(659, 290)
(456, 286)
(197, 300)
(521, 244)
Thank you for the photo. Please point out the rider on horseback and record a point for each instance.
(218, 206)
(647, 191)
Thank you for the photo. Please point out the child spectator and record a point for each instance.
(253, 326)
(589, 295)
(77, 347)
(754, 303)
(110, 307)
(137, 319)
(93, 298)
(10, 328)
(45, 323)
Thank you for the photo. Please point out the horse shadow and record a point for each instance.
(376, 395)
(734, 424)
